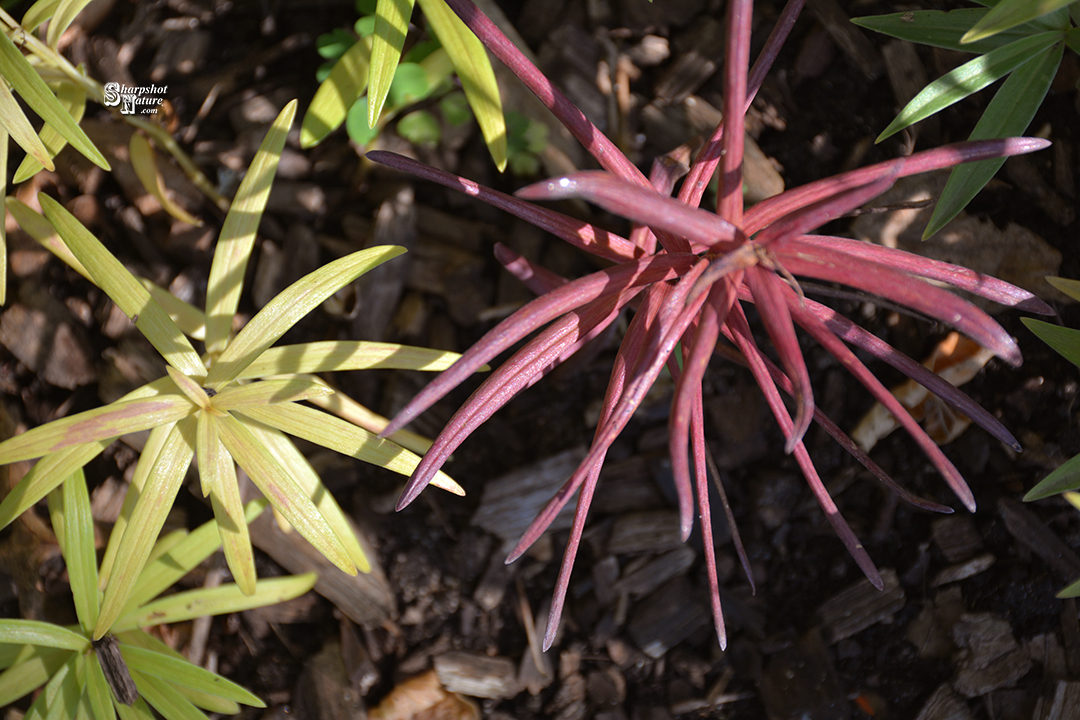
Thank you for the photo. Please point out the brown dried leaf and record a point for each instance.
(423, 698)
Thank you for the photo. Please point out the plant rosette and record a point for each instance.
(232, 406)
(127, 671)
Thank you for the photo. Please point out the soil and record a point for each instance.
(787, 658)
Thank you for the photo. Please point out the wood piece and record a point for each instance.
(323, 691)
(860, 606)
(477, 675)
(848, 37)
(1066, 703)
(366, 598)
(908, 77)
(1070, 633)
(1032, 532)
(960, 571)
(40, 332)
(956, 537)
(510, 502)
(801, 682)
(666, 618)
(990, 657)
(655, 572)
(380, 289)
(491, 589)
(647, 531)
(945, 704)
(931, 631)
(697, 60)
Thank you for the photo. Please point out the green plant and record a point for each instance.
(33, 77)
(1066, 342)
(1023, 39)
(374, 64)
(127, 671)
(211, 407)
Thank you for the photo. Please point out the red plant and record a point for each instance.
(689, 270)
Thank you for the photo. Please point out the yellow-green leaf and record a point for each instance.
(218, 601)
(166, 699)
(73, 98)
(103, 423)
(128, 294)
(181, 672)
(292, 304)
(229, 514)
(38, 13)
(142, 160)
(46, 474)
(351, 411)
(41, 634)
(1066, 285)
(345, 438)
(1010, 13)
(36, 668)
(238, 233)
(270, 392)
(300, 470)
(99, 693)
(391, 27)
(37, 227)
(79, 553)
(37, 95)
(3, 217)
(473, 66)
(190, 319)
(334, 355)
(338, 92)
(281, 490)
(62, 18)
(15, 123)
(146, 521)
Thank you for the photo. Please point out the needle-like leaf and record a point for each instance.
(142, 161)
(182, 672)
(337, 355)
(238, 233)
(338, 92)
(42, 634)
(73, 98)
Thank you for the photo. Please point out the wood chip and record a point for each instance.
(379, 290)
(365, 598)
(966, 569)
(1032, 532)
(510, 503)
(647, 531)
(848, 37)
(945, 704)
(931, 631)
(801, 682)
(860, 606)
(477, 675)
(323, 691)
(666, 618)
(1065, 705)
(697, 60)
(956, 537)
(40, 332)
(990, 658)
(656, 572)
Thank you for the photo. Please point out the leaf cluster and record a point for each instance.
(1020, 40)
(370, 82)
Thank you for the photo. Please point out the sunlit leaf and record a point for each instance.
(38, 13)
(37, 95)
(146, 521)
(40, 664)
(15, 124)
(337, 355)
(65, 13)
(970, 78)
(142, 160)
(345, 438)
(232, 526)
(289, 306)
(238, 233)
(1010, 13)
(391, 27)
(348, 409)
(46, 474)
(73, 98)
(284, 494)
(37, 227)
(270, 392)
(299, 469)
(164, 571)
(104, 423)
(182, 672)
(79, 552)
(42, 634)
(3, 218)
(124, 290)
(336, 94)
(1008, 114)
(473, 66)
(217, 601)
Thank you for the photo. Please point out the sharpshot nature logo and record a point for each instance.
(135, 99)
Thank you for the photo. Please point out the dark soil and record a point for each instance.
(782, 661)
